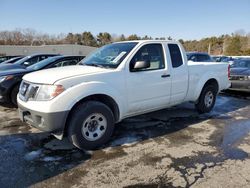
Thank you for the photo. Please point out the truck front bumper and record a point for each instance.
(48, 122)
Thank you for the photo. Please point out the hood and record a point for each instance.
(13, 72)
(50, 76)
(239, 71)
(10, 66)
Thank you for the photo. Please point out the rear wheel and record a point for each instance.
(91, 125)
(207, 99)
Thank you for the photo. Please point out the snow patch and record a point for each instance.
(32, 155)
(50, 159)
(125, 141)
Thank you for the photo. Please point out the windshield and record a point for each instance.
(12, 59)
(22, 61)
(109, 56)
(42, 63)
(241, 64)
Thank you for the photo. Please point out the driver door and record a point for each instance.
(148, 88)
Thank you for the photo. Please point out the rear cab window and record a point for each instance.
(175, 55)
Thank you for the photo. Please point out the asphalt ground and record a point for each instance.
(175, 147)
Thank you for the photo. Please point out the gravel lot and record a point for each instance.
(170, 148)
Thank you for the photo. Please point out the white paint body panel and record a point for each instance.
(134, 92)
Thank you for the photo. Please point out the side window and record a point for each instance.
(175, 55)
(43, 57)
(193, 58)
(203, 58)
(247, 64)
(152, 53)
(65, 63)
(33, 60)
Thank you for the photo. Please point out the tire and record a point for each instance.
(207, 99)
(91, 125)
(13, 95)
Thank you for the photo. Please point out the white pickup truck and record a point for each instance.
(117, 81)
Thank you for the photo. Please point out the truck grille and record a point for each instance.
(28, 91)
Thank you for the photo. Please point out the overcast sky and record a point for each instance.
(186, 19)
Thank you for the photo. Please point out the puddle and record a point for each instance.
(228, 137)
(176, 129)
(24, 154)
(232, 136)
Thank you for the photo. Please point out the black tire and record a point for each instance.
(13, 95)
(201, 105)
(81, 114)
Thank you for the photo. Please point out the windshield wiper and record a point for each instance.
(94, 65)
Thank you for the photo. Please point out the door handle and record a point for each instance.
(165, 75)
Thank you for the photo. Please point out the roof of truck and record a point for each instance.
(141, 41)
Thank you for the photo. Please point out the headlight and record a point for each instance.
(4, 78)
(48, 92)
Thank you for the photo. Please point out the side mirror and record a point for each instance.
(26, 63)
(141, 65)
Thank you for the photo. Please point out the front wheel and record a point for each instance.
(207, 99)
(91, 125)
(13, 95)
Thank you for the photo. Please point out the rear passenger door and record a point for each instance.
(148, 88)
(179, 74)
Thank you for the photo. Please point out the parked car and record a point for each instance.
(26, 61)
(5, 58)
(240, 75)
(117, 81)
(226, 59)
(12, 60)
(10, 79)
(199, 57)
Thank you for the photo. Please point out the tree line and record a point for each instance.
(234, 44)
(237, 43)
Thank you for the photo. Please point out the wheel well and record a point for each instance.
(11, 89)
(105, 99)
(212, 82)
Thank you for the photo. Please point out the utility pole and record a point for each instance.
(223, 48)
(209, 48)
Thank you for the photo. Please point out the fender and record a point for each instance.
(86, 89)
(202, 81)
